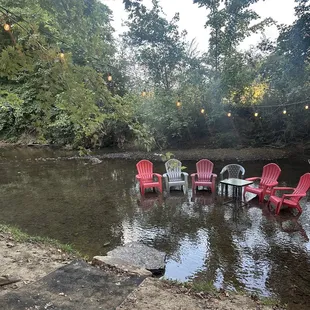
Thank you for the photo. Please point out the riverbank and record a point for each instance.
(28, 259)
(236, 154)
(246, 154)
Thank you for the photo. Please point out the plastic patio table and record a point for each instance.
(237, 185)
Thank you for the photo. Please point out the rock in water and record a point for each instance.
(140, 255)
(95, 160)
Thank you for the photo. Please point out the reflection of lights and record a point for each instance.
(256, 114)
(229, 114)
(178, 103)
(7, 27)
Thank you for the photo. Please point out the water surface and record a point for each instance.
(205, 240)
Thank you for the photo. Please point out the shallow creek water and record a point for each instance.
(97, 207)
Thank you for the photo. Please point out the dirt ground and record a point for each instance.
(31, 261)
(154, 294)
(26, 261)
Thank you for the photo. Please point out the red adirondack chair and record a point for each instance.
(267, 181)
(204, 175)
(290, 200)
(146, 177)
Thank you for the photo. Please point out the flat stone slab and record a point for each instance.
(140, 255)
(76, 286)
(121, 265)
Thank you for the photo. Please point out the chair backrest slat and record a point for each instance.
(204, 169)
(173, 169)
(271, 173)
(234, 171)
(302, 186)
(145, 169)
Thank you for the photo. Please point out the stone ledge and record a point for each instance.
(121, 265)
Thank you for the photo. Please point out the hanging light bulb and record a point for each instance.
(256, 114)
(178, 103)
(7, 27)
(202, 111)
(62, 54)
(144, 93)
(109, 77)
(229, 114)
(306, 107)
(284, 111)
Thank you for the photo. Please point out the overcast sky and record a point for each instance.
(193, 18)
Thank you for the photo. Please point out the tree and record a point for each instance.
(230, 23)
(57, 96)
(160, 47)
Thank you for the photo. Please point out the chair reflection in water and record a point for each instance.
(202, 198)
(150, 200)
(288, 222)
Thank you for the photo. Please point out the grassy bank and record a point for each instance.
(19, 236)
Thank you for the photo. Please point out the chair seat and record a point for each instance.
(254, 190)
(276, 200)
(203, 183)
(181, 182)
(176, 180)
(150, 184)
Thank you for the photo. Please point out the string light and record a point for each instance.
(144, 93)
(109, 77)
(178, 103)
(202, 111)
(256, 114)
(62, 54)
(229, 114)
(306, 107)
(7, 27)
(284, 111)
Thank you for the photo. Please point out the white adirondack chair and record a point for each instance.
(174, 175)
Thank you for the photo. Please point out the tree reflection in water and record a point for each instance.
(228, 245)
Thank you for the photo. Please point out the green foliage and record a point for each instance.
(66, 100)
(62, 100)
(159, 45)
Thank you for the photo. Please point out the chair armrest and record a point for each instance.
(294, 195)
(281, 189)
(193, 175)
(184, 176)
(222, 173)
(165, 175)
(159, 176)
(213, 176)
(138, 177)
(271, 184)
(253, 179)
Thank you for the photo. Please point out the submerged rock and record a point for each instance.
(140, 255)
(95, 160)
